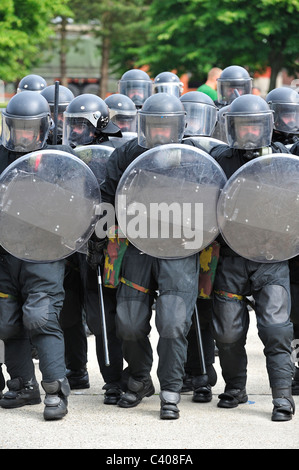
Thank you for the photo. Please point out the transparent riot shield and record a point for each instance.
(48, 203)
(258, 209)
(95, 157)
(166, 200)
(206, 142)
(126, 136)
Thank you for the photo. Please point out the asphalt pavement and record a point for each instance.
(120, 432)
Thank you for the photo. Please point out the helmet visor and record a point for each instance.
(24, 135)
(137, 90)
(228, 90)
(201, 118)
(159, 129)
(125, 121)
(251, 131)
(172, 88)
(286, 117)
(77, 131)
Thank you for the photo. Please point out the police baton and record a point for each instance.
(103, 319)
(199, 342)
(55, 115)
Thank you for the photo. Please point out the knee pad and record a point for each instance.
(230, 319)
(171, 316)
(132, 320)
(36, 311)
(272, 304)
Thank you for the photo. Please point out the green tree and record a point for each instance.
(24, 27)
(118, 23)
(194, 35)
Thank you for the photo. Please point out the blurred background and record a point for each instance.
(88, 46)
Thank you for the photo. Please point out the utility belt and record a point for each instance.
(114, 254)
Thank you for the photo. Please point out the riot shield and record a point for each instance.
(48, 204)
(258, 209)
(206, 142)
(166, 200)
(95, 157)
(119, 141)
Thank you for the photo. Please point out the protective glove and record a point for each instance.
(95, 252)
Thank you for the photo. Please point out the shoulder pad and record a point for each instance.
(279, 147)
(221, 151)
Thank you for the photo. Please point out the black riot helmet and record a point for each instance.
(26, 122)
(137, 85)
(161, 120)
(249, 123)
(85, 119)
(233, 82)
(168, 82)
(122, 111)
(65, 96)
(201, 113)
(285, 103)
(32, 83)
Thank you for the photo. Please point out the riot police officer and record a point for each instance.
(123, 112)
(201, 120)
(137, 85)
(65, 96)
(32, 293)
(284, 101)
(161, 121)
(249, 129)
(32, 82)
(168, 82)
(87, 122)
(233, 81)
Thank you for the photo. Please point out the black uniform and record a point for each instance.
(32, 298)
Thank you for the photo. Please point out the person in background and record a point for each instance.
(210, 86)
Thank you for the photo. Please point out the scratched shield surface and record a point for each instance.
(48, 205)
(258, 209)
(166, 200)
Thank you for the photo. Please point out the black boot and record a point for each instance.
(169, 401)
(78, 379)
(202, 385)
(136, 391)
(112, 394)
(187, 383)
(231, 398)
(56, 398)
(284, 405)
(21, 393)
(202, 389)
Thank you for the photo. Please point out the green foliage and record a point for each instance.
(192, 36)
(24, 28)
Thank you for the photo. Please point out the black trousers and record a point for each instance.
(176, 280)
(30, 305)
(269, 285)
